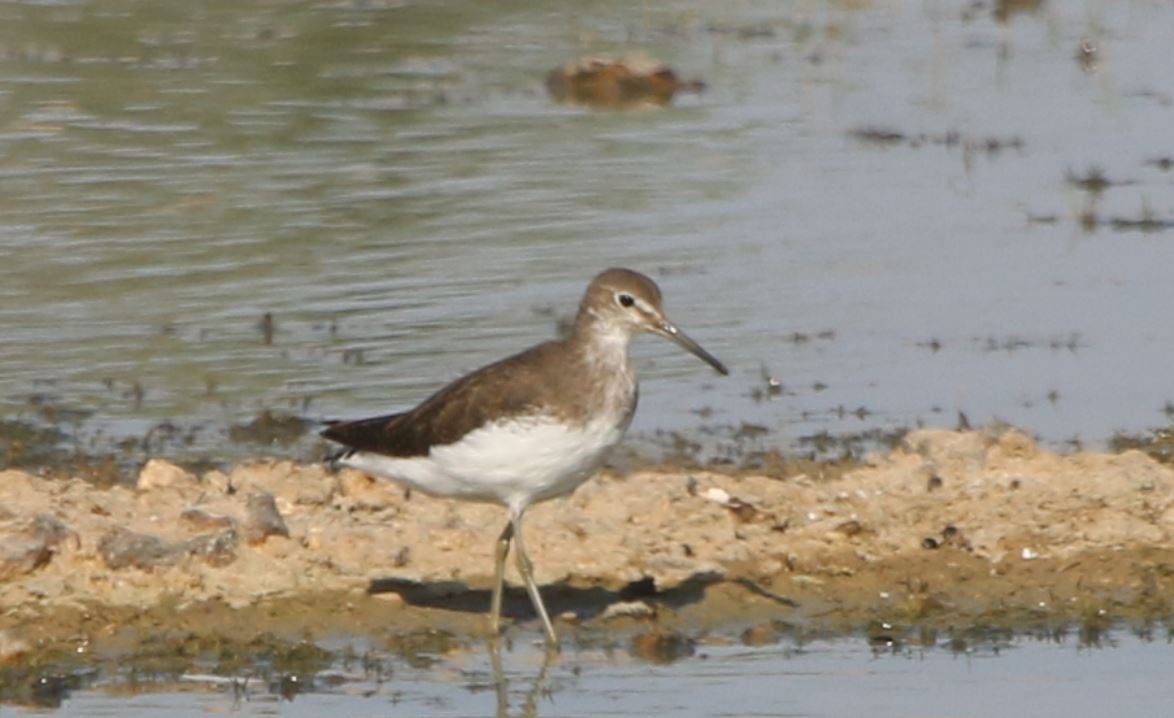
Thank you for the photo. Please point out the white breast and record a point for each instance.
(514, 462)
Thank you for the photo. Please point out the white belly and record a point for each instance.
(515, 462)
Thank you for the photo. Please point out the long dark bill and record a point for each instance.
(668, 329)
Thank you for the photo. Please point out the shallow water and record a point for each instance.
(1119, 674)
(391, 183)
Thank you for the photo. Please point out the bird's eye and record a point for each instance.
(625, 300)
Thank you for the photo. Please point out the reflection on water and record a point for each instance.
(1121, 673)
(501, 683)
(391, 186)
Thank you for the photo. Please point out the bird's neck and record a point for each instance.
(604, 343)
(601, 352)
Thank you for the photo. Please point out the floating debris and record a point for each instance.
(1094, 180)
(772, 385)
(759, 31)
(1088, 55)
(1159, 444)
(1146, 221)
(1007, 9)
(1163, 163)
(266, 326)
(23, 444)
(933, 344)
(879, 135)
(850, 446)
(269, 427)
(886, 136)
(424, 647)
(750, 430)
(1071, 342)
(631, 82)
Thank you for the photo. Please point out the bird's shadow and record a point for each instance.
(559, 598)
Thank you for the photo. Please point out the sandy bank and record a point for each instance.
(946, 526)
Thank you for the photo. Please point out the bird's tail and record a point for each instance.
(336, 453)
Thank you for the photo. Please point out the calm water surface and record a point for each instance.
(391, 183)
(1121, 676)
(875, 202)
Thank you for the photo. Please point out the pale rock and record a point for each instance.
(716, 495)
(217, 481)
(391, 598)
(628, 609)
(158, 473)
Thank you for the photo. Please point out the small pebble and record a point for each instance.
(716, 495)
(628, 609)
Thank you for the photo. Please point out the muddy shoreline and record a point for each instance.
(947, 532)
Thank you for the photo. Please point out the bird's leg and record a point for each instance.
(526, 569)
(500, 551)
